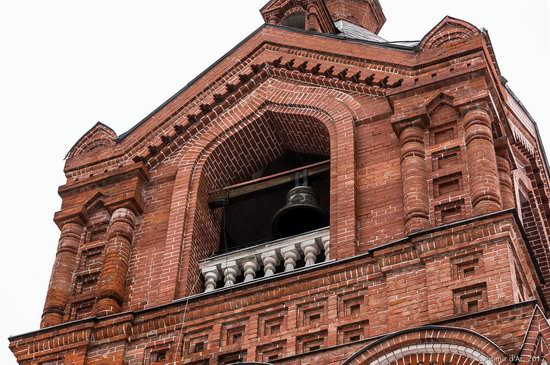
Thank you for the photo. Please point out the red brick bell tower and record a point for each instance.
(320, 196)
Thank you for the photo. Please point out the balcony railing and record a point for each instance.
(266, 259)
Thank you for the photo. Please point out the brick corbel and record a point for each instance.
(129, 183)
(480, 102)
(420, 121)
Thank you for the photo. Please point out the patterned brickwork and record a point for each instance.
(439, 211)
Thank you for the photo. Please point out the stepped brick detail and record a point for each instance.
(422, 189)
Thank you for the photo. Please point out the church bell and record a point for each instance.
(301, 213)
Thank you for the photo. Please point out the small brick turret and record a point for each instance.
(367, 14)
(320, 16)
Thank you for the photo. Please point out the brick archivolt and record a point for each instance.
(433, 349)
(449, 32)
(308, 110)
(431, 340)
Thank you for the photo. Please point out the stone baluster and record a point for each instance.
(271, 261)
(250, 266)
(211, 277)
(311, 250)
(112, 279)
(325, 241)
(482, 167)
(290, 255)
(62, 274)
(231, 271)
(505, 178)
(414, 178)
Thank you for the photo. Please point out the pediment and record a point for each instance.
(448, 32)
(99, 136)
(438, 101)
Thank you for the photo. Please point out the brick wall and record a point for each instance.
(423, 229)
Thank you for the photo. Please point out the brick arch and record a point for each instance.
(448, 32)
(98, 137)
(335, 110)
(433, 343)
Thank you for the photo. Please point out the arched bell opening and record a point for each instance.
(295, 20)
(245, 184)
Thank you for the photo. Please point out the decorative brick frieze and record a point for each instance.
(271, 352)
(352, 305)
(272, 323)
(311, 314)
(234, 333)
(353, 332)
(470, 299)
(311, 342)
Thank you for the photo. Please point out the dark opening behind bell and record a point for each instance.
(302, 212)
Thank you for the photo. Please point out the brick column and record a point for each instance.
(482, 167)
(506, 185)
(62, 274)
(312, 21)
(414, 179)
(112, 279)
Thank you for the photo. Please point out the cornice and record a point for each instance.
(390, 76)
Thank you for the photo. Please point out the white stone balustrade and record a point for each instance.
(264, 259)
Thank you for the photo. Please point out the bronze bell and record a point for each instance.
(301, 213)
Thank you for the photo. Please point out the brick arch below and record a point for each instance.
(434, 354)
(285, 104)
(431, 345)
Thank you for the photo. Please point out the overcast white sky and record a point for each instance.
(65, 65)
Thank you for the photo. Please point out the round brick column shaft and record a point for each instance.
(506, 185)
(482, 167)
(112, 279)
(62, 275)
(312, 20)
(414, 179)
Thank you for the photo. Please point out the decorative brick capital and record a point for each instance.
(418, 121)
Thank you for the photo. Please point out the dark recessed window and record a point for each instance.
(295, 20)
(267, 212)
